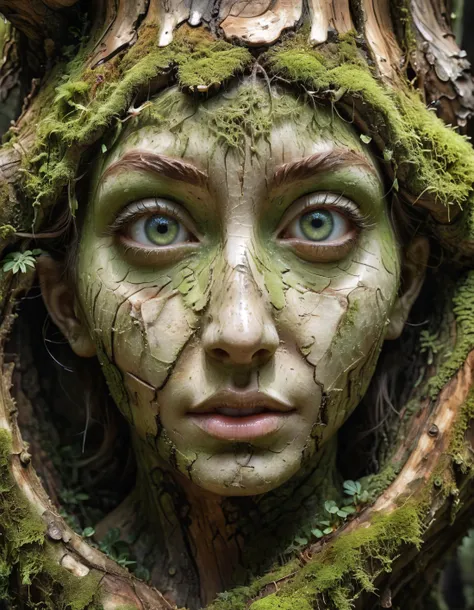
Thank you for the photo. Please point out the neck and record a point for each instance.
(203, 543)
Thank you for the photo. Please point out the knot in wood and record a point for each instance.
(433, 431)
(54, 531)
(25, 457)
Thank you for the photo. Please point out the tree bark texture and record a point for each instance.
(402, 41)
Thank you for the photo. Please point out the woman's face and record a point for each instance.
(238, 300)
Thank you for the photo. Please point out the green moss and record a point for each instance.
(463, 309)
(351, 558)
(357, 557)
(6, 231)
(251, 114)
(87, 104)
(458, 446)
(8, 209)
(237, 599)
(20, 526)
(28, 559)
(212, 64)
(429, 157)
(375, 484)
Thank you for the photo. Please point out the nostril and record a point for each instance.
(219, 354)
(261, 355)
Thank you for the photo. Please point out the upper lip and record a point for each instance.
(240, 400)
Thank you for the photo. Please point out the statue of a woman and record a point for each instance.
(237, 260)
(238, 300)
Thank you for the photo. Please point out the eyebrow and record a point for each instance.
(144, 161)
(320, 162)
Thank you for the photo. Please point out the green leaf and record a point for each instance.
(8, 265)
(300, 540)
(396, 185)
(331, 507)
(104, 149)
(350, 488)
(327, 531)
(88, 532)
(365, 139)
(388, 154)
(112, 536)
(37, 252)
(317, 533)
(347, 510)
(364, 496)
(143, 574)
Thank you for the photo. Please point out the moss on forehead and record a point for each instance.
(251, 113)
(86, 104)
(430, 158)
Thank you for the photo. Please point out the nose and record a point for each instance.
(240, 330)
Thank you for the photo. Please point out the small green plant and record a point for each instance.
(20, 261)
(337, 516)
(334, 515)
(430, 344)
(73, 497)
(115, 548)
(88, 532)
(357, 496)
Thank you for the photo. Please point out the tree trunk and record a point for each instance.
(421, 497)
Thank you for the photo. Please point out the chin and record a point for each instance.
(225, 476)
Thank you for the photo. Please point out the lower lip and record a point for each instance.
(240, 428)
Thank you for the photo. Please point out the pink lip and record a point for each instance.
(240, 428)
(269, 416)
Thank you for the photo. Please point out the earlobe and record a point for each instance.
(412, 278)
(59, 300)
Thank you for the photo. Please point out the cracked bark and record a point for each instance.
(442, 74)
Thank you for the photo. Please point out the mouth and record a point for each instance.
(240, 416)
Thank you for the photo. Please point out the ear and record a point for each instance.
(59, 300)
(412, 278)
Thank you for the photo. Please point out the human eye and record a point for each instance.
(154, 224)
(322, 227)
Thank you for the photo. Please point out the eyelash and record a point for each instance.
(314, 201)
(140, 209)
(337, 202)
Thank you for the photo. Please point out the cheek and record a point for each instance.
(339, 331)
(141, 329)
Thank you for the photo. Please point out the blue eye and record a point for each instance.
(319, 225)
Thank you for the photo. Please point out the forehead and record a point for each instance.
(271, 125)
